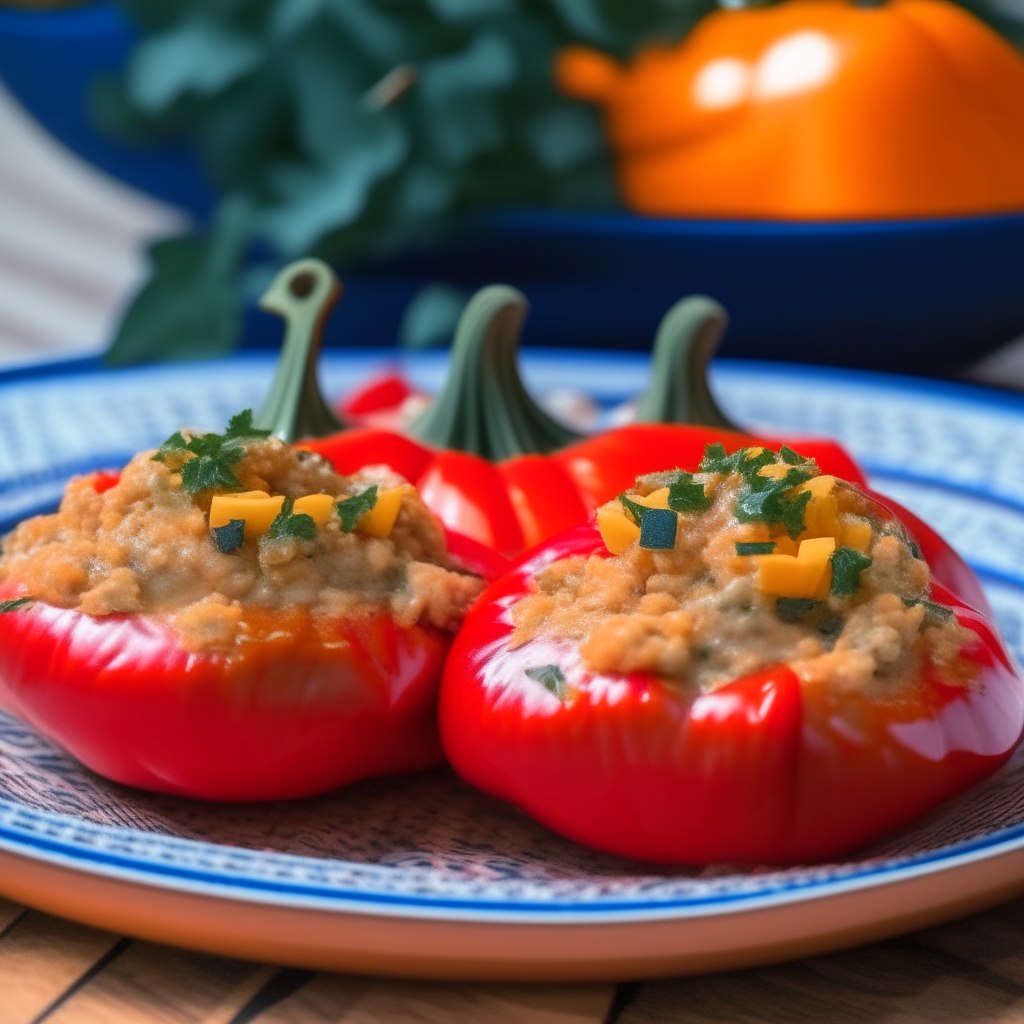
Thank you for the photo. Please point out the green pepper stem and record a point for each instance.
(303, 293)
(678, 390)
(484, 407)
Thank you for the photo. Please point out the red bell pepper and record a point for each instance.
(762, 770)
(308, 704)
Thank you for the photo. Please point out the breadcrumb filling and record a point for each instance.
(694, 612)
(145, 546)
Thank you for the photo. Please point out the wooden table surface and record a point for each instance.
(969, 972)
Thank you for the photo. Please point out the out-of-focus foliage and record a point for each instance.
(346, 127)
(343, 128)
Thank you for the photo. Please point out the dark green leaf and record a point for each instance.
(658, 529)
(240, 426)
(687, 496)
(14, 604)
(175, 446)
(290, 525)
(752, 465)
(551, 678)
(764, 547)
(717, 461)
(634, 509)
(230, 536)
(847, 565)
(351, 509)
(790, 457)
(211, 471)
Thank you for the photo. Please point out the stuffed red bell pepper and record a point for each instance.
(232, 619)
(752, 663)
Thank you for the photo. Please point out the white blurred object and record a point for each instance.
(1004, 368)
(72, 243)
(575, 408)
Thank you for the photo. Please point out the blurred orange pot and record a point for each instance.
(816, 109)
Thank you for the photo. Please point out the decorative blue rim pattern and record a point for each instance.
(884, 420)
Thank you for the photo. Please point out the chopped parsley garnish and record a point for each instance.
(14, 604)
(658, 529)
(289, 525)
(765, 499)
(635, 510)
(793, 609)
(686, 495)
(206, 461)
(915, 550)
(755, 547)
(716, 461)
(230, 536)
(551, 678)
(790, 457)
(847, 565)
(934, 614)
(350, 509)
(240, 428)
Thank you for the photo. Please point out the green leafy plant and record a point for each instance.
(343, 128)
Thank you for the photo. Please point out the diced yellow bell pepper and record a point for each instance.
(815, 556)
(318, 506)
(776, 471)
(857, 534)
(781, 575)
(821, 517)
(808, 574)
(258, 512)
(616, 530)
(819, 486)
(656, 499)
(380, 520)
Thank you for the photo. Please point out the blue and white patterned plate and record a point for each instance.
(422, 875)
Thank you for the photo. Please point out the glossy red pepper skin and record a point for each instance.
(762, 770)
(514, 505)
(308, 706)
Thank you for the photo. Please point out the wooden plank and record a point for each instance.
(40, 957)
(968, 971)
(9, 913)
(151, 984)
(337, 999)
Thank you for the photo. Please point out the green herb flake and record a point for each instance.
(240, 428)
(767, 500)
(790, 457)
(760, 547)
(351, 509)
(551, 678)
(793, 609)
(634, 509)
(14, 604)
(207, 460)
(847, 565)
(686, 495)
(717, 461)
(658, 529)
(289, 525)
(934, 614)
(175, 447)
(751, 465)
(230, 536)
